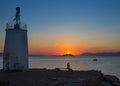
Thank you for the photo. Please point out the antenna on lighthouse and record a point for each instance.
(17, 18)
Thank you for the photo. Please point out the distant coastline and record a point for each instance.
(87, 54)
(83, 54)
(102, 54)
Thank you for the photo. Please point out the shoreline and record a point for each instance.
(57, 77)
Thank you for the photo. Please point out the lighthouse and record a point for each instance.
(15, 56)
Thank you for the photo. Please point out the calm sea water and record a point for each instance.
(108, 65)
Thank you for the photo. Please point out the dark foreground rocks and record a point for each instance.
(47, 77)
(112, 79)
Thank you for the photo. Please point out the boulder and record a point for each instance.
(112, 79)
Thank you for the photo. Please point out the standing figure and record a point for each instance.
(68, 66)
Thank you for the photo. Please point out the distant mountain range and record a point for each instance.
(102, 54)
(86, 54)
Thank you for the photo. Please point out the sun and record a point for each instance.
(68, 53)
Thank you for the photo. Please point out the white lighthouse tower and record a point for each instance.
(15, 57)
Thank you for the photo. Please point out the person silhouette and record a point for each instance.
(68, 66)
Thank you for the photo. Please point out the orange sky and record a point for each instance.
(63, 44)
(62, 47)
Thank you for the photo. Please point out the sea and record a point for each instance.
(107, 65)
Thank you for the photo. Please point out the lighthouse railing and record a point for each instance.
(12, 25)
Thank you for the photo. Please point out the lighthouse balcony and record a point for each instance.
(21, 26)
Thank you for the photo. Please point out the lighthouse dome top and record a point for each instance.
(16, 22)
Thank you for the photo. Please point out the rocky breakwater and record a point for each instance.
(112, 80)
(55, 77)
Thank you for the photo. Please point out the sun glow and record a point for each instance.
(68, 52)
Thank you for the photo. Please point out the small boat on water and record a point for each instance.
(95, 59)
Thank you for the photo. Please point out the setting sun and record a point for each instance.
(68, 52)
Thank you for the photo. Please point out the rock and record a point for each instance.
(4, 83)
(116, 83)
(103, 83)
(112, 79)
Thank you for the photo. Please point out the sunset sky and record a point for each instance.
(56, 27)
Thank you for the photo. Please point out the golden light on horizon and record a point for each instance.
(63, 47)
(68, 52)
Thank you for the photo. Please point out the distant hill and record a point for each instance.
(85, 54)
(102, 54)
(67, 55)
